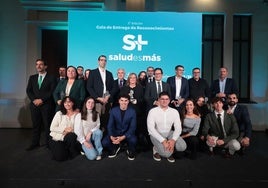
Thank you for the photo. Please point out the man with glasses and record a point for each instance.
(99, 86)
(198, 86)
(164, 127)
(153, 89)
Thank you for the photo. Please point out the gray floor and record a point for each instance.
(19, 168)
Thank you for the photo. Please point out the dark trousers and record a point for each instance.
(41, 115)
(192, 145)
(66, 149)
(131, 143)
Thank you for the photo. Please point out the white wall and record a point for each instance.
(20, 46)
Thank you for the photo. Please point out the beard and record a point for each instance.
(231, 103)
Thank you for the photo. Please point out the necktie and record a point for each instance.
(150, 80)
(158, 88)
(121, 83)
(221, 126)
(39, 81)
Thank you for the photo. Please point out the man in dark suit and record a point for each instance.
(62, 73)
(153, 89)
(223, 86)
(179, 88)
(118, 84)
(220, 129)
(99, 86)
(150, 74)
(40, 92)
(121, 128)
(243, 120)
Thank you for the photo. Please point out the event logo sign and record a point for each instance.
(135, 40)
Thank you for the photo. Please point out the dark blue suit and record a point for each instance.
(119, 127)
(230, 87)
(243, 120)
(184, 87)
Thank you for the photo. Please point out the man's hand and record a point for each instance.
(245, 141)
(38, 102)
(88, 145)
(171, 145)
(219, 142)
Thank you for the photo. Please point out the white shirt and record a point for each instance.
(159, 123)
(83, 127)
(222, 85)
(156, 83)
(178, 87)
(103, 77)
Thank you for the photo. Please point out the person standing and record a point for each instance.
(223, 86)
(118, 85)
(40, 92)
(153, 89)
(99, 86)
(160, 122)
(179, 88)
(72, 87)
(198, 86)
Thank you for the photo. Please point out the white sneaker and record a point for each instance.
(82, 153)
(98, 157)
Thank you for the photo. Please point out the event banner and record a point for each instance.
(135, 40)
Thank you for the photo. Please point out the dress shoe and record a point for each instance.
(32, 147)
(227, 155)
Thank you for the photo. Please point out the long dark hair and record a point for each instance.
(84, 110)
(62, 108)
(195, 110)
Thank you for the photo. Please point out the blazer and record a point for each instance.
(243, 120)
(118, 127)
(77, 92)
(184, 87)
(46, 90)
(212, 127)
(116, 90)
(95, 84)
(150, 94)
(230, 87)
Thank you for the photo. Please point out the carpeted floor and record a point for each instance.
(20, 168)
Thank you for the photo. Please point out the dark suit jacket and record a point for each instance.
(45, 92)
(230, 87)
(151, 93)
(77, 92)
(184, 87)
(243, 120)
(95, 84)
(116, 90)
(118, 127)
(212, 127)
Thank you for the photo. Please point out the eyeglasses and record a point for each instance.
(196, 72)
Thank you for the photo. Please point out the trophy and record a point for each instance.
(132, 99)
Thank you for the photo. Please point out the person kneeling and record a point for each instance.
(160, 122)
(121, 129)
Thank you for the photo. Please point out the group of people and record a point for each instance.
(88, 113)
